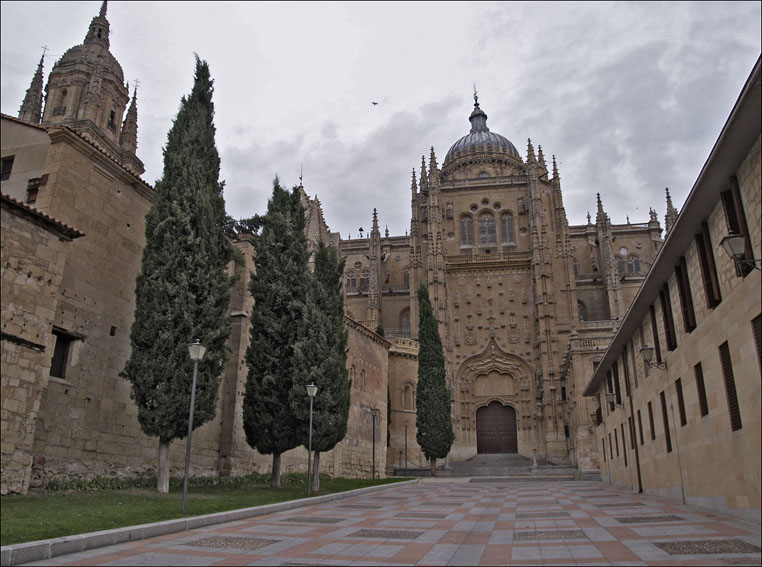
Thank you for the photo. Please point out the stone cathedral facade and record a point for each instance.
(519, 295)
(526, 302)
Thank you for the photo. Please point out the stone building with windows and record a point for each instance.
(526, 303)
(677, 393)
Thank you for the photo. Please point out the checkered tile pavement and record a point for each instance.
(459, 523)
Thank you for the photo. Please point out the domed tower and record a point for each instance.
(481, 153)
(86, 92)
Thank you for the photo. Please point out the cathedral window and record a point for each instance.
(507, 232)
(351, 282)
(582, 310)
(408, 402)
(364, 280)
(112, 118)
(466, 232)
(7, 166)
(620, 266)
(406, 278)
(487, 230)
(32, 189)
(633, 265)
(405, 320)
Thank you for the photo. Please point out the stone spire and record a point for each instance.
(530, 152)
(128, 137)
(433, 168)
(541, 159)
(99, 28)
(671, 216)
(31, 108)
(600, 217)
(424, 177)
(478, 118)
(414, 185)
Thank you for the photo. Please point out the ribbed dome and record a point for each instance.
(89, 54)
(480, 139)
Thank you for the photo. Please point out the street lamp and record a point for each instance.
(406, 421)
(735, 247)
(374, 412)
(197, 352)
(311, 391)
(647, 353)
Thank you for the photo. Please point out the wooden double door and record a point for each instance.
(496, 429)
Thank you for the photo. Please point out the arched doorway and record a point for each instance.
(496, 429)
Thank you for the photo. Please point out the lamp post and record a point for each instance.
(197, 352)
(647, 352)
(406, 421)
(311, 391)
(735, 247)
(374, 412)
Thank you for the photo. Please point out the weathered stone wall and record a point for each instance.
(33, 260)
(403, 378)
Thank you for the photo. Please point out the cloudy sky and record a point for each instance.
(630, 97)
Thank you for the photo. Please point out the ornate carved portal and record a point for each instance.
(495, 395)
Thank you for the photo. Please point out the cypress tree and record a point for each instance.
(182, 290)
(279, 288)
(321, 358)
(433, 420)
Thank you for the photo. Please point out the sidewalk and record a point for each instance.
(450, 522)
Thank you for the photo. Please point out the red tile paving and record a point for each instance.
(562, 522)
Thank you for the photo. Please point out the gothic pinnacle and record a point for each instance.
(414, 184)
(671, 216)
(530, 152)
(555, 168)
(31, 107)
(104, 7)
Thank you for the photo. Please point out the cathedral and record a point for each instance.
(526, 303)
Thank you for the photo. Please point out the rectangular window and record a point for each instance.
(7, 166)
(624, 445)
(708, 267)
(681, 402)
(32, 189)
(651, 421)
(611, 450)
(756, 329)
(603, 446)
(61, 353)
(703, 404)
(634, 365)
(667, 436)
(616, 442)
(632, 432)
(646, 368)
(669, 322)
(626, 368)
(730, 387)
(686, 299)
(655, 332)
(736, 219)
(617, 388)
(640, 428)
(610, 390)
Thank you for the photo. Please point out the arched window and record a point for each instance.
(406, 278)
(466, 231)
(408, 402)
(362, 379)
(620, 266)
(575, 266)
(507, 233)
(364, 279)
(633, 265)
(487, 230)
(405, 319)
(582, 308)
(351, 282)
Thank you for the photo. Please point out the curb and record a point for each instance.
(49, 548)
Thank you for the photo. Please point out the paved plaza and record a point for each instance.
(456, 522)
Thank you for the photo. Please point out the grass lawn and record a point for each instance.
(43, 515)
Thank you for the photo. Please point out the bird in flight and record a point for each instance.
(374, 103)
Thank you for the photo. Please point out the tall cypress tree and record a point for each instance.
(279, 288)
(433, 420)
(182, 290)
(321, 358)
